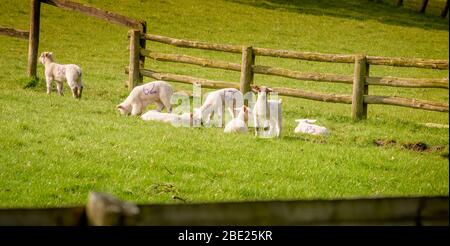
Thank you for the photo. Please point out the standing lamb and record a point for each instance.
(158, 92)
(60, 73)
(266, 113)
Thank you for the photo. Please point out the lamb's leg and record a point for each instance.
(255, 124)
(159, 106)
(166, 103)
(136, 109)
(59, 88)
(80, 91)
(49, 80)
(75, 92)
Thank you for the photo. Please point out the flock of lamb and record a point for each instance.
(266, 114)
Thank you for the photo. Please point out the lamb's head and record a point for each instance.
(46, 56)
(261, 90)
(123, 109)
(243, 113)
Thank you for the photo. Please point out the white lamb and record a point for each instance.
(237, 124)
(214, 102)
(184, 119)
(60, 73)
(158, 92)
(307, 126)
(266, 113)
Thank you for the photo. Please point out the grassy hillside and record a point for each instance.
(53, 150)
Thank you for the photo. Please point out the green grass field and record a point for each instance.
(54, 150)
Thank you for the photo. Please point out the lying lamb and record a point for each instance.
(307, 126)
(214, 101)
(237, 124)
(60, 73)
(184, 119)
(266, 113)
(158, 92)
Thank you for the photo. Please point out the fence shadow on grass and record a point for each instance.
(355, 9)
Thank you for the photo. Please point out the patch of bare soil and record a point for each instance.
(414, 146)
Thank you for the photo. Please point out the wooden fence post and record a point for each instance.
(366, 89)
(423, 7)
(444, 10)
(358, 87)
(248, 60)
(134, 77)
(33, 40)
(142, 42)
(105, 210)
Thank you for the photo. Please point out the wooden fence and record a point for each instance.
(360, 80)
(35, 13)
(103, 209)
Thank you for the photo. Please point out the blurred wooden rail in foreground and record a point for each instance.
(103, 210)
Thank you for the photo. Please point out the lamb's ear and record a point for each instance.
(119, 106)
(269, 89)
(50, 54)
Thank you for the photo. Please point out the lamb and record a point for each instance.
(60, 73)
(184, 119)
(158, 92)
(213, 103)
(266, 113)
(307, 126)
(238, 124)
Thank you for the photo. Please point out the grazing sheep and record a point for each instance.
(307, 126)
(214, 102)
(60, 73)
(184, 119)
(237, 124)
(158, 92)
(266, 113)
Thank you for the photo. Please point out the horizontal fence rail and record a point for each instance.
(408, 62)
(105, 210)
(310, 76)
(7, 31)
(186, 79)
(406, 102)
(204, 62)
(408, 82)
(95, 12)
(360, 79)
(309, 56)
(193, 44)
